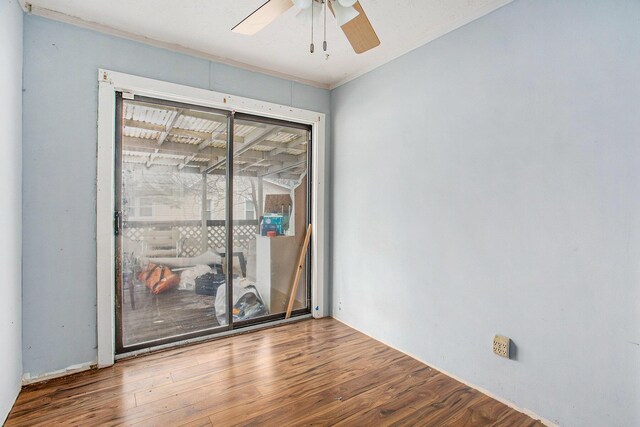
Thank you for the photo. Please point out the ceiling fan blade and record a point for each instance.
(262, 17)
(359, 31)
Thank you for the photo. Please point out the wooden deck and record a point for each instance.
(317, 372)
(172, 313)
(176, 312)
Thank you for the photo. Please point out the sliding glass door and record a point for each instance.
(163, 239)
(197, 234)
(270, 184)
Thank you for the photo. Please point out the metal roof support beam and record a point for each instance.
(252, 139)
(163, 135)
(273, 170)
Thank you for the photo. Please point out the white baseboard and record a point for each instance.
(463, 381)
(74, 369)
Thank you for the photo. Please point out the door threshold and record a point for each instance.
(206, 338)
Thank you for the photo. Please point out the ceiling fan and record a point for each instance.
(348, 13)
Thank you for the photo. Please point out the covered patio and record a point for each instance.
(173, 196)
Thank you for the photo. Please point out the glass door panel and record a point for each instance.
(270, 217)
(196, 233)
(172, 221)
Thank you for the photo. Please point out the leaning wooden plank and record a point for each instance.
(294, 288)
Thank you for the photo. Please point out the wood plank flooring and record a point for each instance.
(313, 372)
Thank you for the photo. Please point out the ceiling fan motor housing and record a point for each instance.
(349, 13)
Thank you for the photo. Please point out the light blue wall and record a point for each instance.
(11, 21)
(60, 111)
(488, 183)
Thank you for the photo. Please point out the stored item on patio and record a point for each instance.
(154, 277)
(158, 278)
(161, 243)
(247, 303)
(279, 204)
(188, 276)
(144, 274)
(208, 284)
(272, 222)
(168, 281)
(213, 258)
(209, 257)
(241, 259)
(294, 288)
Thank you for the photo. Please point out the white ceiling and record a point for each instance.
(204, 27)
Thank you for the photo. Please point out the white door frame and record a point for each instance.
(109, 82)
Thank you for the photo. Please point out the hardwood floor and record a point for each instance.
(313, 372)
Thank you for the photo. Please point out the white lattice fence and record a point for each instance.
(191, 238)
(190, 234)
(243, 234)
(216, 236)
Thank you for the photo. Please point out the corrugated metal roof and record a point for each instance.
(140, 133)
(144, 122)
(198, 124)
(130, 159)
(283, 137)
(242, 130)
(184, 139)
(143, 113)
(262, 148)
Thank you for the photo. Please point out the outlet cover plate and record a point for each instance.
(501, 346)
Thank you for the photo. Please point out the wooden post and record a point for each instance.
(204, 231)
(260, 200)
(294, 288)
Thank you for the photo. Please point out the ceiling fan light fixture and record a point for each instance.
(344, 14)
(303, 4)
(347, 3)
(305, 14)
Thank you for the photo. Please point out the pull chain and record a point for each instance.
(324, 43)
(312, 47)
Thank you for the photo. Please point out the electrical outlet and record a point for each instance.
(501, 346)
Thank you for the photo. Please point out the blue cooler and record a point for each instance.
(271, 222)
